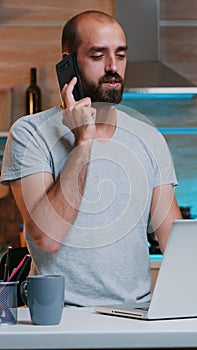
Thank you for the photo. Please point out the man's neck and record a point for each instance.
(105, 122)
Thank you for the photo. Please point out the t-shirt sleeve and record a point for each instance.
(25, 152)
(164, 165)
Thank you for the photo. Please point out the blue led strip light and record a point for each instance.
(149, 95)
(178, 130)
(156, 257)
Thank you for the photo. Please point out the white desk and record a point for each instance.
(81, 328)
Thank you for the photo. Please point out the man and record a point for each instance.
(87, 179)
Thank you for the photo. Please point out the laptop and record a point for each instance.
(175, 292)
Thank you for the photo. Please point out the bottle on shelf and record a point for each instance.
(33, 94)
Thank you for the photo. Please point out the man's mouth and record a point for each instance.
(112, 83)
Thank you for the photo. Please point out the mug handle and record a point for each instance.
(23, 292)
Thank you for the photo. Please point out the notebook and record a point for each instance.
(175, 292)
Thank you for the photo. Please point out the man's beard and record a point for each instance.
(98, 94)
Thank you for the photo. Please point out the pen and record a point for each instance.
(27, 260)
(21, 266)
(7, 265)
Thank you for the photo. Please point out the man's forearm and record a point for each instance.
(56, 211)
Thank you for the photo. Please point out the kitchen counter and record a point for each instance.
(82, 328)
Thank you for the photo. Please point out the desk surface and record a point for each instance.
(81, 328)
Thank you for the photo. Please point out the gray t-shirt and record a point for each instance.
(104, 256)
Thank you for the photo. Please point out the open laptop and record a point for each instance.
(175, 292)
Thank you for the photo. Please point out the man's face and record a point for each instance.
(102, 60)
(98, 93)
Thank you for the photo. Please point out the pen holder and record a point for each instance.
(8, 302)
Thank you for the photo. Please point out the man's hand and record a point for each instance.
(78, 116)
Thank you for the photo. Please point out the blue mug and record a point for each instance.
(44, 296)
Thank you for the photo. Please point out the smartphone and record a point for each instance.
(67, 69)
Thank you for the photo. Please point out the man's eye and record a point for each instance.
(97, 57)
(121, 55)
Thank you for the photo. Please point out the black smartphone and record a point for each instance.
(67, 69)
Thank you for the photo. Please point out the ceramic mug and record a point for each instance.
(44, 296)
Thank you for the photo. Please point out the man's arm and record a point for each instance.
(49, 208)
(164, 210)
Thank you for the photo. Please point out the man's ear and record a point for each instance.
(65, 53)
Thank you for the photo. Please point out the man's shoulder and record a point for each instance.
(35, 121)
(136, 123)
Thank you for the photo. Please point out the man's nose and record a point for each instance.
(111, 64)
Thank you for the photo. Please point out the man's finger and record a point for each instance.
(67, 93)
